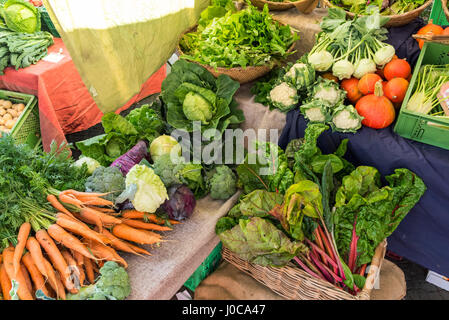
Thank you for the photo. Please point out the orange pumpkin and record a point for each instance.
(397, 68)
(377, 110)
(395, 89)
(429, 28)
(367, 83)
(352, 91)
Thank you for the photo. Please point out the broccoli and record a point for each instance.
(108, 179)
(166, 169)
(113, 284)
(222, 183)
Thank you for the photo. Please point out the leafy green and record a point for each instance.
(259, 203)
(258, 241)
(21, 16)
(190, 93)
(377, 210)
(191, 174)
(239, 39)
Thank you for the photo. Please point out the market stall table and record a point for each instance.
(65, 104)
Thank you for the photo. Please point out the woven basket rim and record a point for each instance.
(289, 3)
(391, 17)
(233, 69)
(376, 264)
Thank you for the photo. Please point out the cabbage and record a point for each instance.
(151, 192)
(321, 61)
(162, 145)
(21, 16)
(91, 164)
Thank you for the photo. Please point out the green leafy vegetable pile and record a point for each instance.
(238, 39)
(316, 210)
(391, 7)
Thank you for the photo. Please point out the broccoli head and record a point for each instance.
(113, 284)
(222, 183)
(106, 179)
(165, 168)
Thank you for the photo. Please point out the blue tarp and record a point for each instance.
(423, 236)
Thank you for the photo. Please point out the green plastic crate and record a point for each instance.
(27, 128)
(47, 24)
(416, 126)
(206, 268)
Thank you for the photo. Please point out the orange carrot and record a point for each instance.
(26, 275)
(56, 257)
(58, 205)
(118, 244)
(78, 257)
(134, 214)
(76, 273)
(104, 210)
(95, 201)
(144, 225)
(126, 232)
(105, 218)
(22, 236)
(36, 276)
(22, 292)
(60, 287)
(88, 264)
(78, 228)
(80, 193)
(34, 248)
(54, 281)
(104, 252)
(138, 249)
(5, 283)
(70, 200)
(68, 240)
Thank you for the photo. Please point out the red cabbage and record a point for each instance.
(180, 204)
(128, 160)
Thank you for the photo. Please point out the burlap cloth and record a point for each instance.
(229, 283)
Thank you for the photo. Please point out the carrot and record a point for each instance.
(126, 232)
(144, 225)
(104, 210)
(60, 286)
(56, 257)
(36, 276)
(89, 270)
(5, 283)
(70, 200)
(58, 205)
(8, 258)
(76, 273)
(26, 275)
(54, 281)
(134, 214)
(78, 228)
(80, 193)
(104, 252)
(105, 218)
(34, 248)
(68, 240)
(118, 244)
(22, 236)
(95, 201)
(78, 257)
(138, 249)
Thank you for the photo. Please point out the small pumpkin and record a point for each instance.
(377, 110)
(395, 89)
(352, 91)
(397, 68)
(429, 28)
(367, 83)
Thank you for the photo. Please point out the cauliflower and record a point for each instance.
(328, 91)
(316, 110)
(222, 183)
(346, 119)
(301, 75)
(284, 97)
(106, 179)
(113, 284)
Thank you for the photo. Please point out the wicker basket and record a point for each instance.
(396, 20)
(293, 283)
(445, 8)
(304, 6)
(242, 75)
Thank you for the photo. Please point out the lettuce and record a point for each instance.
(191, 93)
(151, 192)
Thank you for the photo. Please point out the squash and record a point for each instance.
(377, 110)
(398, 68)
(368, 82)
(429, 28)
(352, 91)
(395, 89)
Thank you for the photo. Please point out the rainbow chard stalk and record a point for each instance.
(353, 248)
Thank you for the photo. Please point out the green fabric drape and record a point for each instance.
(117, 45)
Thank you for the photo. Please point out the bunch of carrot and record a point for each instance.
(66, 255)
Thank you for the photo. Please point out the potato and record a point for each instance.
(10, 123)
(7, 117)
(13, 112)
(2, 111)
(20, 107)
(7, 104)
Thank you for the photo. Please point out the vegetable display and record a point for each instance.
(390, 7)
(239, 39)
(9, 114)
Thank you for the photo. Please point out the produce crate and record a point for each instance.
(27, 128)
(206, 268)
(47, 24)
(293, 283)
(437, 15)
(416, 126)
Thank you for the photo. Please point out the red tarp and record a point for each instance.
(65, 105)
